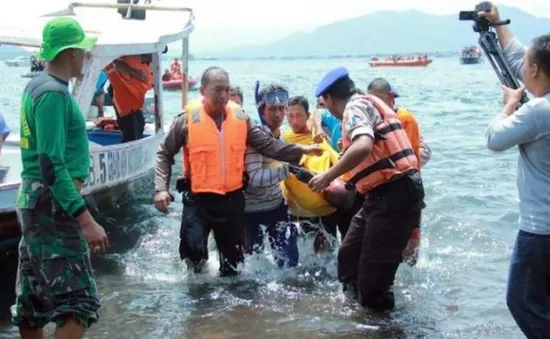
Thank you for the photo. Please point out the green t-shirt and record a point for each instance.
(54, 141)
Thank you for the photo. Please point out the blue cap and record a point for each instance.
(394, 92)
(329, 79)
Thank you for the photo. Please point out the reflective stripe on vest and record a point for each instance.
(214, 158)
(391, 153)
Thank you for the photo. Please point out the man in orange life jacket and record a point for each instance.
(379, 161)
(381, 88)
(214, 134)
(130, 77)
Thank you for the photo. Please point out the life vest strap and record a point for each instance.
(381, 164)
(380, 134)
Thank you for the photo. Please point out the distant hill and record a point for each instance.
(385, 32)
(7, 52)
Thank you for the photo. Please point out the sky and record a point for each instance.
(238, 22)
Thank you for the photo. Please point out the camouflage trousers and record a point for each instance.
(55, 281)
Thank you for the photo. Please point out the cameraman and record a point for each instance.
(528, 294)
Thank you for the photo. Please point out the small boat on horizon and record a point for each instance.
(419, 61)
(470, 55)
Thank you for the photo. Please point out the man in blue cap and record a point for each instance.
(378, 161)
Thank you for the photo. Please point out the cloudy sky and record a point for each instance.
(253, 21)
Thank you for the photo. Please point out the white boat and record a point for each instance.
(20, 61)
(112, 165)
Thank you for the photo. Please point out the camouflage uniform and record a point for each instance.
(54, 279)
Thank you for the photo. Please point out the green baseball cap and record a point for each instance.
(60, 34)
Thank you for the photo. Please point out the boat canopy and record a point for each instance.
(117, 36)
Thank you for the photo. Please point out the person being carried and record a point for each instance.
(55, 281)
(310, 209)
(379, 162)
(214, 134)
(131, 78)
(528, 128)
(265, 205)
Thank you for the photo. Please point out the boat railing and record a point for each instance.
(131, 6)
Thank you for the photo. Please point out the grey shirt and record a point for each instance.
(257, 138)
(265, 175)
(529, 129)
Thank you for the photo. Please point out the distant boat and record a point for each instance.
(175, 84)
(19, 61)
(421, 61)
(470, 55)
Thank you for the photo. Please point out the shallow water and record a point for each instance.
(455, 291)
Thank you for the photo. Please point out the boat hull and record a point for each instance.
(470, 60)
(113, 170)
(400, 63)
(175, 85)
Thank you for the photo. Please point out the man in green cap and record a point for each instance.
(55, 280)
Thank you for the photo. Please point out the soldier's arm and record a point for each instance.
(51, 113)
(271, 147)
(168, 149)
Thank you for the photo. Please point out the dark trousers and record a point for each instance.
(282, 235)
(528, 294)
(370, 253)
(224, 215)
(131, 125)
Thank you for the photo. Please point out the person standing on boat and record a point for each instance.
(131, 78)
(55, 280)
(379, 162)
(214, 134)
(4, 132)
(528, 293)
(265, 204)
(99, 94)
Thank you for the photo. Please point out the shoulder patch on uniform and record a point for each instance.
(350, 121)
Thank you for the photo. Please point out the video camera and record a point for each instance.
(489, 43)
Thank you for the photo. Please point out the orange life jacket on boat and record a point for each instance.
(391, 155)
(213, 158)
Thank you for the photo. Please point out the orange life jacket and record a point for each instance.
(129, 92)
(391, 154)
(213, 159)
